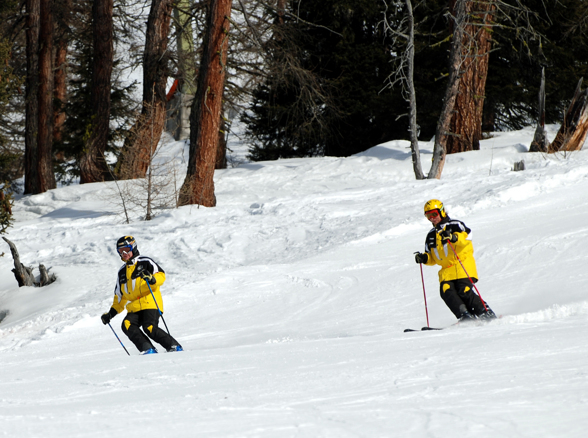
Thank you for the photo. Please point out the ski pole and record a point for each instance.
(466, 272)
(424, 294)
(123, 346)
(157, 305)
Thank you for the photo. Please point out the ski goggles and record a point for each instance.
(125, 249)
(431, 214)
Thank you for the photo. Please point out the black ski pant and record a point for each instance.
(459, 296)
(148, 320)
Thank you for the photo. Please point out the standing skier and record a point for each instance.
(448, 238)
(137, 289)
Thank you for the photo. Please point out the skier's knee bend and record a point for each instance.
(150, 330)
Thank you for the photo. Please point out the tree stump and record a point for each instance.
(45, 278)
(24, 275)
(573, 130)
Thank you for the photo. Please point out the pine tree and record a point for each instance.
(335, 101)
(514, 76)
(78, 106)
(10, 81)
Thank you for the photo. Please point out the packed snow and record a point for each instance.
(291, 298)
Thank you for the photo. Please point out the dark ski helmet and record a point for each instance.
(435, 204)
(127, 243)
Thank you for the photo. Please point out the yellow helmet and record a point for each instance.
(435, 204)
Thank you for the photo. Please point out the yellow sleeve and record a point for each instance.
(461, 240)
(159, 277)
(119, 307)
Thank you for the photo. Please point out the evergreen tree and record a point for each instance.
(78, 106)
(11, 159)
(515, 66)
(340, 106)
(10, 156)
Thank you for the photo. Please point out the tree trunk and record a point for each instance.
(540, 143)
(62, 16)
(412, 112)
(46, 75)
(39, 175)
(185, 43)
(198, 187)
(32, 92)
(144, 136)
(281, 8)
(466, 123)
(221, 150)
(455, 63)
(60, 89)
(93, 166)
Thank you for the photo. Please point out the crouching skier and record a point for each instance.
(448, 246)
(142, 300)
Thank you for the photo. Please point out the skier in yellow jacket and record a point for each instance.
(449, 235)
(142, 300)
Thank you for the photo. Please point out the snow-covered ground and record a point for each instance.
(291, 297)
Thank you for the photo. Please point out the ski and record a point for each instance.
(424, 329)
(473, 323)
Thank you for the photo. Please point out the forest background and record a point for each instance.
(303, 77)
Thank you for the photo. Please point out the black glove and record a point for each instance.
(421, 257)
(149, 278)
(447, 235)
(140, 271)
(108, 316)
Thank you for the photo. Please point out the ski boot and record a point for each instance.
(175, 348)
(487, 315)
(150, 351)
(466, 317)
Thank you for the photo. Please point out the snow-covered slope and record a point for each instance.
(291, 297)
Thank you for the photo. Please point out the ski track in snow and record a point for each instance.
(291, 297)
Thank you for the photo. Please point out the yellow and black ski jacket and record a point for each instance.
(132, 292)
(440, 253)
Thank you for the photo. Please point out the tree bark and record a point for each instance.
(281, 8)
(63, 13)
(146, 132)
(39, 175)
(221, 150)
(93, 166)
(466, 122)
(31, 95)
(60, 89)
(198, 187)
(46, 75)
